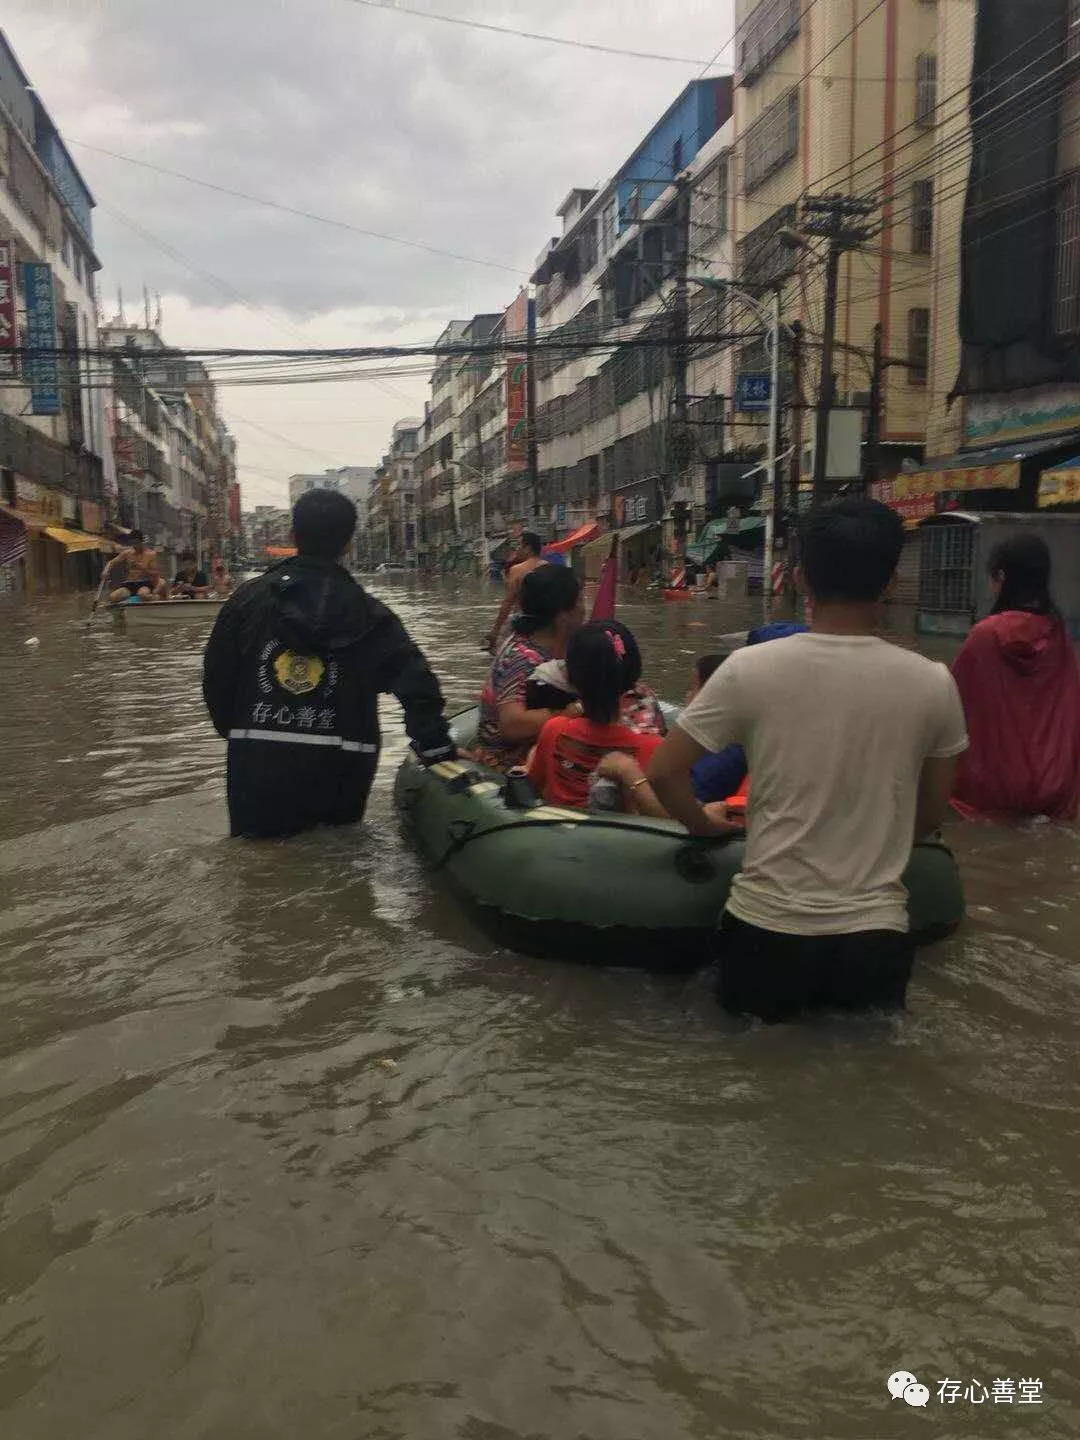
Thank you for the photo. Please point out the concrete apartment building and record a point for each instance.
(355, 481)
(842, 98)
(56, 474)
(438, 526)
(392, 509)
(604, 421)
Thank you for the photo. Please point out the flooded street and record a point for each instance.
(577, 1204)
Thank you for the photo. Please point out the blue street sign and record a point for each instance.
(41, 368)
(753, 392)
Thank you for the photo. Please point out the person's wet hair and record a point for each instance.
(849, 550)
(135, 537)
(188, 555)
(531, 541)
(602, 662)
(546, 593)
(706, 666)
(1023, 562)
(323, 523)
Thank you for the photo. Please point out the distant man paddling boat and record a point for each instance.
(292, 675)
(143, 580)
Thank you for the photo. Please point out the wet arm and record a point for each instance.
(406, 674)
(935, 787)
(669, 774)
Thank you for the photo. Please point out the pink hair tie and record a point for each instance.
(617, 644)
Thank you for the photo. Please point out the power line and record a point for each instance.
(295, 210)
(544, 38)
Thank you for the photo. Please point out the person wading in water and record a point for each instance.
(292, 676)
(528, 559)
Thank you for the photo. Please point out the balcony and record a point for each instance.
(38, 458)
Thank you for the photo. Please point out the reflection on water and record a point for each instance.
(287, 1148)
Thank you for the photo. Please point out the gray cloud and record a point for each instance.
(454, 137)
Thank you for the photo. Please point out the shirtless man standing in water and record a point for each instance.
(144, 580)
(528, 559)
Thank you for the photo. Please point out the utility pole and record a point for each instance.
(680, 353)
(871, 469)
(774, 436)
(834, 218)
(483, 494)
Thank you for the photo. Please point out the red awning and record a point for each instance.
(280, 552)
(581, 536)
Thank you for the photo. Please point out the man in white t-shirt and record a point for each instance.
(851, 744)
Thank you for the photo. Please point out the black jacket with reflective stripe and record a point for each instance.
(291, 677)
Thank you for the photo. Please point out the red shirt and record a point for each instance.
(568, 751)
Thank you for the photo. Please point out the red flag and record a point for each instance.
(604, 604)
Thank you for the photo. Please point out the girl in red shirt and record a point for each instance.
(600, 666)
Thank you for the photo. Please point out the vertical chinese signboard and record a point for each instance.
(42, 367)
(517, 448)
(515, 328)
(9, 330)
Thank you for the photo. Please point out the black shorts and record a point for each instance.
(776, 976)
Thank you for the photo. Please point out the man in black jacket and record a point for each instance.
(291, 678)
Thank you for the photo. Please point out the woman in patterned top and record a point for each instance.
(551, 610)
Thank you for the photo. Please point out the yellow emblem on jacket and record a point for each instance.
(299, 674)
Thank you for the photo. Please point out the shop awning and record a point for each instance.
(581, 536)
(994, 469)
(31, 522)
(280, 552)
(75, 541)
(1060, 486)
(716, 532)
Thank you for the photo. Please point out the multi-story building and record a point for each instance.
(439, 530)
(397, 494)
(189, 506)
(265, 527)
(56, 476)
(607, 439)
(843, 99)
(355, 481)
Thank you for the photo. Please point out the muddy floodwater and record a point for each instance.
(288, 1149)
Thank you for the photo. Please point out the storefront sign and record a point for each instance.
(38, 503)
(1059, 487)
(9, 330)
(91, 517)
(517, 447)
(42, 369)
(1001, 419)
(912, 505)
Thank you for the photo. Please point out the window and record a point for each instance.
(768, 30)
(925, 89)
(609, 220)
(922, 217)
(633, 204)
(65, 247)
(761, 258)
(589, 253)
(723, 198)
(76, 262)
(918, 345)
(772, 140)
(1067, 262)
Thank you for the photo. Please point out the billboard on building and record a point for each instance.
(42, 368)
(516, 328)
(9, 330)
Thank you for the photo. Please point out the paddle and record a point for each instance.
(97, 597)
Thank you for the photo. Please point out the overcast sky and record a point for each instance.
(455, 137)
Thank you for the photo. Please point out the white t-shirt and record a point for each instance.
(835, 729)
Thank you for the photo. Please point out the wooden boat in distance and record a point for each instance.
(167, 612)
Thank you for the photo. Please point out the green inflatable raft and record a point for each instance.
(606, 889)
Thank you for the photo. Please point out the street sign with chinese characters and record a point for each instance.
(753, 392)
(42, 369)
(9, 330)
